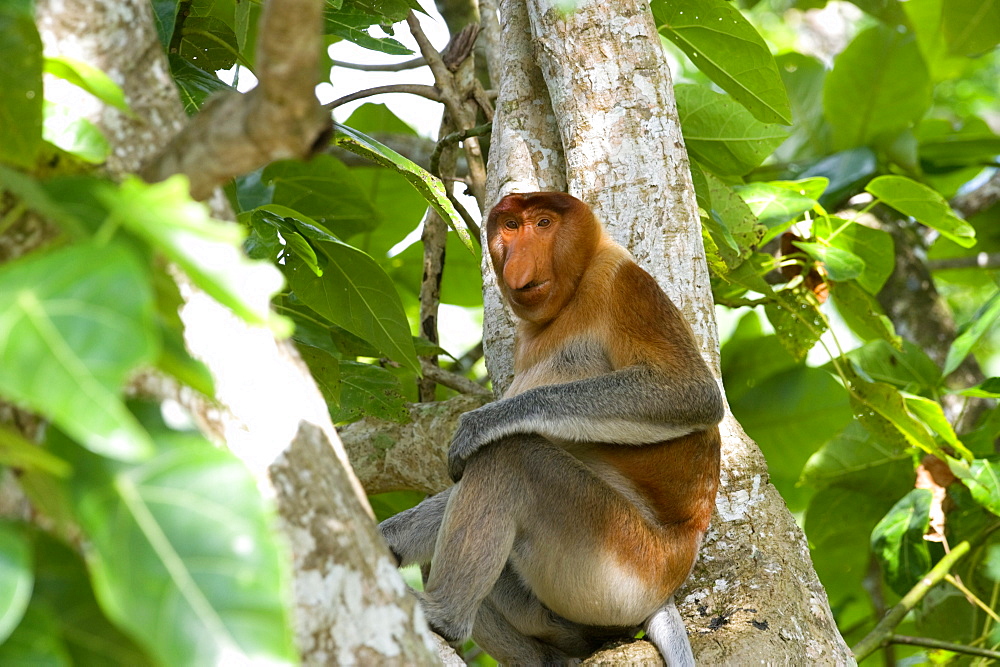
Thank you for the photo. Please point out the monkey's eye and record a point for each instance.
(510, 224)
(544, 222)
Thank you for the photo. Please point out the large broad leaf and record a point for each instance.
(927, 206)
(898, 541)
(352, 24)
(20, 84)
(428, 185)
(16, 576)
(971, 27)
(856, 460)
(931, 415)
(908, 367)
(943, 145)
(874, 246)
(727, 49)
(862, 312)
(369, 390)
(73, 324)
(839, 264)
(797, 321)
(777, 204)
(36, 641)
(208, 43)
(876, 402)
(324, 189)
(845, 171)
(62, 584)
(194, 84)
(790, 415)
(804, 77)
(980, 323)
(731, 226)
(862, 101)
(208, 250)
(356, 294)
(721, 134)
(181, 551)
(165, 16)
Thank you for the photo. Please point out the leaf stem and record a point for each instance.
(947, 646)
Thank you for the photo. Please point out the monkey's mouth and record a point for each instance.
(530, 287)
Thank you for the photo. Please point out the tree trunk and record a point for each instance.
(351, 605)
(754, 596)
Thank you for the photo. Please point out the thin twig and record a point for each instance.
(454, 138)
(430, 92)
(470, 224)
(390, 67)
(880, 635)
(947, 646)
(971, 597)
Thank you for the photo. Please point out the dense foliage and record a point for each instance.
(809, 176)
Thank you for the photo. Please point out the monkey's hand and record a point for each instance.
(472, 434)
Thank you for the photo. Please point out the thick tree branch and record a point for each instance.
(280, 118)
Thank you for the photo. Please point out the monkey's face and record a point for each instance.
(540, 244)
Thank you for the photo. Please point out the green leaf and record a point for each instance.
(208, 250)
(324, 189)
(89, 78)
(777, 205)
(356, 294)
(856, 460)
(369, 390)
(20, 84)
(181, 550)
(874, 246)
(36, 641)
(971, 27)
(352, 24)
(730, 224)
(927, 206)
(722, 135)
(462, 280)
(16, 576)
(944, 145)
(862, 312)
(840, 264)
(980, 323)
(862, 101)
(62, 584)
(790, 415)
(73, 324)
(898, 541)
(982, 477)
(877, 399)
(194, 84)
(845, 171)
(64, 128)
(930, 413)
(727, 49)
(796, 320)
(325, 369)
(428, 185)
(17, 451)
(907, 367)
(165, 16)
(208, 43)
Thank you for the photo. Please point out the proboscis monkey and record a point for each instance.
(582, 496)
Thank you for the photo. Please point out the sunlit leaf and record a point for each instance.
(428, 185)
(369, 390)
(927, 206)
(181, 550)
(73, 324)
(839, 264)
(862, 101)
(721, 134)
(87, 77)
(980, 323)
(209, 251)
(727, 49)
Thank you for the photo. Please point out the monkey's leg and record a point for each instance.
(411, 534)
(666, 630)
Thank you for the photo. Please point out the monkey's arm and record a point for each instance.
(632, 406)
